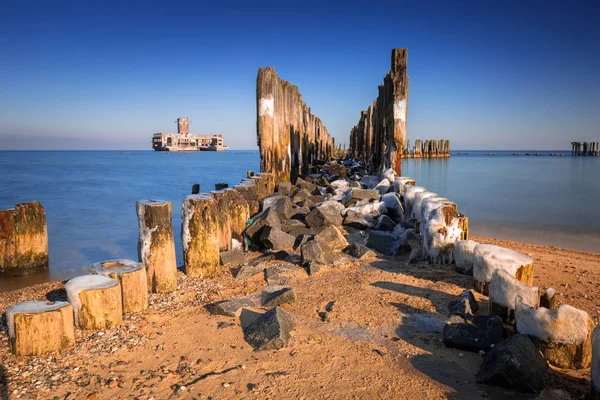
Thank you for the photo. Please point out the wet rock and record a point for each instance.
(270, 331)
(284, 188)
(385, 223)
(232, 257)
(230, 308)
(464, 303)
(285, 274)
(514, 364)
(359, 251)
(473, 333)
(276, 239)
(316, 252)
(260, 221)
(276, 295)
(332, 237)
(326, 214)
(248, 271)
(358, 221)
(383, 242)
(356, 195)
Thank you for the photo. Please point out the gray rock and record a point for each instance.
(316, 252)
(310, 187)
(300, 195)
(358, 221)
(514, 364)
(383, 186)
(301, 239)
(265, 218)
(473, 333)
(248, 271)
(359, 251)
(283, 207)
(230, 308)
(385, 223)
(326, 214)
(270, 331)
(232, 257)
(285, 274)
(464, 303)
(291, 224)
(332, 237)
(276, 239)
(383, 242)
(393, 206)
(316, 199)
(270, 256)
(284, 188)
(356, 195)
(276, 295)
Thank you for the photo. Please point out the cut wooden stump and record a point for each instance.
(97, 301)
(248, 191)
(39, 327)
(463, 224)
(200, 235)
(156, 245)
(132, 275)
(223, 219)
(487, 258)
(239, 213)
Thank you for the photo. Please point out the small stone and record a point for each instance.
(230, 308)
(270, 331)
(276, 295)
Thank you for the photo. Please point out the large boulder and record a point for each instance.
(265, 218)
(284, 274)
(383, 186)
(232, 257)
(284, 188)
(270, 331)
(473, 333)
(385, 223)
(276, 239)
(326, 214)
(359, 251)
(333, 238)
(248, 271)
(283, 207)
(383, 242)
(230, 308)
(292, 225)
(355, 195)
(314, 251)
(514, 364)
(394, 208)
(301, 195)
(276, 295)
(356, 220)
(370, 209)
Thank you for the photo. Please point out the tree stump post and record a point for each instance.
(156, 245)
(487, 258)
(248, 190)
(239, 213)
(134, 286)
(223, 219)
(200, 235)
(38, 327)
(97, 301)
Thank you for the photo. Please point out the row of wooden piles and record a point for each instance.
(427, 149)
(585, 148)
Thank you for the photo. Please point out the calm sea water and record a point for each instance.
(90, 197)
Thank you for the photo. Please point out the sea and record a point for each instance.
(89, 196)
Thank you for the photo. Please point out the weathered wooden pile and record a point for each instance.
(379, 136)
(585, 148)
(427, 149)
(289, 136)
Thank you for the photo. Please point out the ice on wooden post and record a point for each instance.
(200, 235)
(463, 256)
(463, 224)
(488, 257)
(23, 240)
(39, 327)
(409, 198)
(132, 275)
(223, 219)
(156, 245)
(401, 182)
(97, 301)
(563, 336)
(504, 290)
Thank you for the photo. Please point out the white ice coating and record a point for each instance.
(383, 186)
(401, 183)
(145, 238)
(266, 107)
(566, 325)
(504, 289)
(418, 201)
(463, 254)
(596, 359)
(187, 212)
(389, 175)
(488, 257)
(392, 203)
(85, 282)
(236, 245)
(119, 266)
(409, 197)
(340, 184)
(371, 209)
(428, 206)
(400, 110)
(30, 307)
(439, 240)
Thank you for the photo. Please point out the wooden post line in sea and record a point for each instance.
(585, 148)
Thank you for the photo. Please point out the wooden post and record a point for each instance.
(223, 219)
(39, 327)
(132, 276)
(97, 301)
(239, 213)
(156, 245)
(23, 240)
(196, 188)
(200, 235)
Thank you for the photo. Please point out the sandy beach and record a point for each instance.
(362, 330)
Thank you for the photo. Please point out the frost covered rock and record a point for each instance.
(428, 206)
(463, 256)
(385, 223)
(473, 333)
(394, 208)
(383, 186)
(326, 214)
(464, 303)
(504, 290)
(418, 201)
(514, 364)
(488, 257)
(355, 195)
(409, 198)
(389, 175)
(370, 209)
(439, 240)
(400, 183)
(562, 335)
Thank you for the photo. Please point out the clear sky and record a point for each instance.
(486, 75)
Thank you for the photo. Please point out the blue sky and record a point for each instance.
(486, 75)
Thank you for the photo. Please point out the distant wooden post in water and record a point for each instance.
(585, 148)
